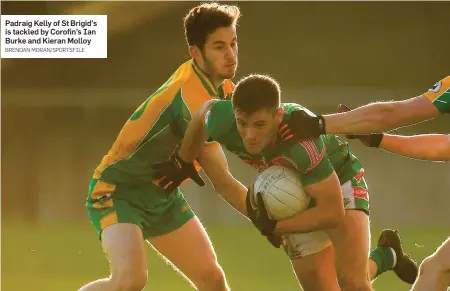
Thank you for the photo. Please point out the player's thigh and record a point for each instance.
(190, 250)
(107, 206)
(118, 224)
(312, 258)
(351, 242)
(124, 247)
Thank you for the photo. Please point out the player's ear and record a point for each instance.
(194, 52)
(279, 114)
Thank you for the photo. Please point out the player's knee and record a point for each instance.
(212, 278)
(354, 283)
(314, 279)
(132, 280)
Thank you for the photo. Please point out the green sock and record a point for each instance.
(384, 258)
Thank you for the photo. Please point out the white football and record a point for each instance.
(282, 192)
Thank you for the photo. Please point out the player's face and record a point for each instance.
(219, 57)
(259, 129)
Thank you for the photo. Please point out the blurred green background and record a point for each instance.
(60, 116)
(63, 256)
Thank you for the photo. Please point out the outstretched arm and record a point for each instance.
(432, 147)
(382, 116)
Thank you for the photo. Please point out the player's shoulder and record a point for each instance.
(307, 154)
(174, 83)
(438, 89)
(220, 110)
(219, 118)
(182, 74)
(439, 95)
(288, 108)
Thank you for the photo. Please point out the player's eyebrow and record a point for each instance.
(260, 121)
(222, 42)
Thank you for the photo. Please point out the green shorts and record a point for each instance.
(146, 205)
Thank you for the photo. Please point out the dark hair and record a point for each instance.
(204, 19)
(256, 92)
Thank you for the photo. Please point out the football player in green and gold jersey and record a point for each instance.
(125, 205)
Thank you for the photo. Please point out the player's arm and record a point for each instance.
(215, 165)
(371, 118)
(328, 213)
(432, 147)
(195, 135)
(381, 116)
(320, 181)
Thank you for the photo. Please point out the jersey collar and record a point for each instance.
(207, 82)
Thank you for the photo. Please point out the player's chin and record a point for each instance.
(228, 75)
(253, 150)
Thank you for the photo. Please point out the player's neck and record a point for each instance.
(217, 82)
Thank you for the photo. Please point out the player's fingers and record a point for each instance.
(344, 108)
(158, 177)
(285, 134)
(170, 187)
(197, 179)
(284, 129)
(274, 240)
(260, 204)
(165, 182)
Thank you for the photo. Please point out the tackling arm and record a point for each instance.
(433, 147)
(215, 165)
(195, 136)
(382, 116)
(328, 213)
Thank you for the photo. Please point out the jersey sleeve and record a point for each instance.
(311, 159)
(219, 119)
(439, 94)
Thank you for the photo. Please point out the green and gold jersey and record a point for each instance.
(439, 94)
(314, 160)
(157, 127)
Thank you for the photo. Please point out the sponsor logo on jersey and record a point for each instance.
(360, 192)
(359, 176)
(436, 87)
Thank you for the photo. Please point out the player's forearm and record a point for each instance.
(366, 119)
(193, 141)
(432, 147)
(312, 219)
(234, 193)
(382, 116)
